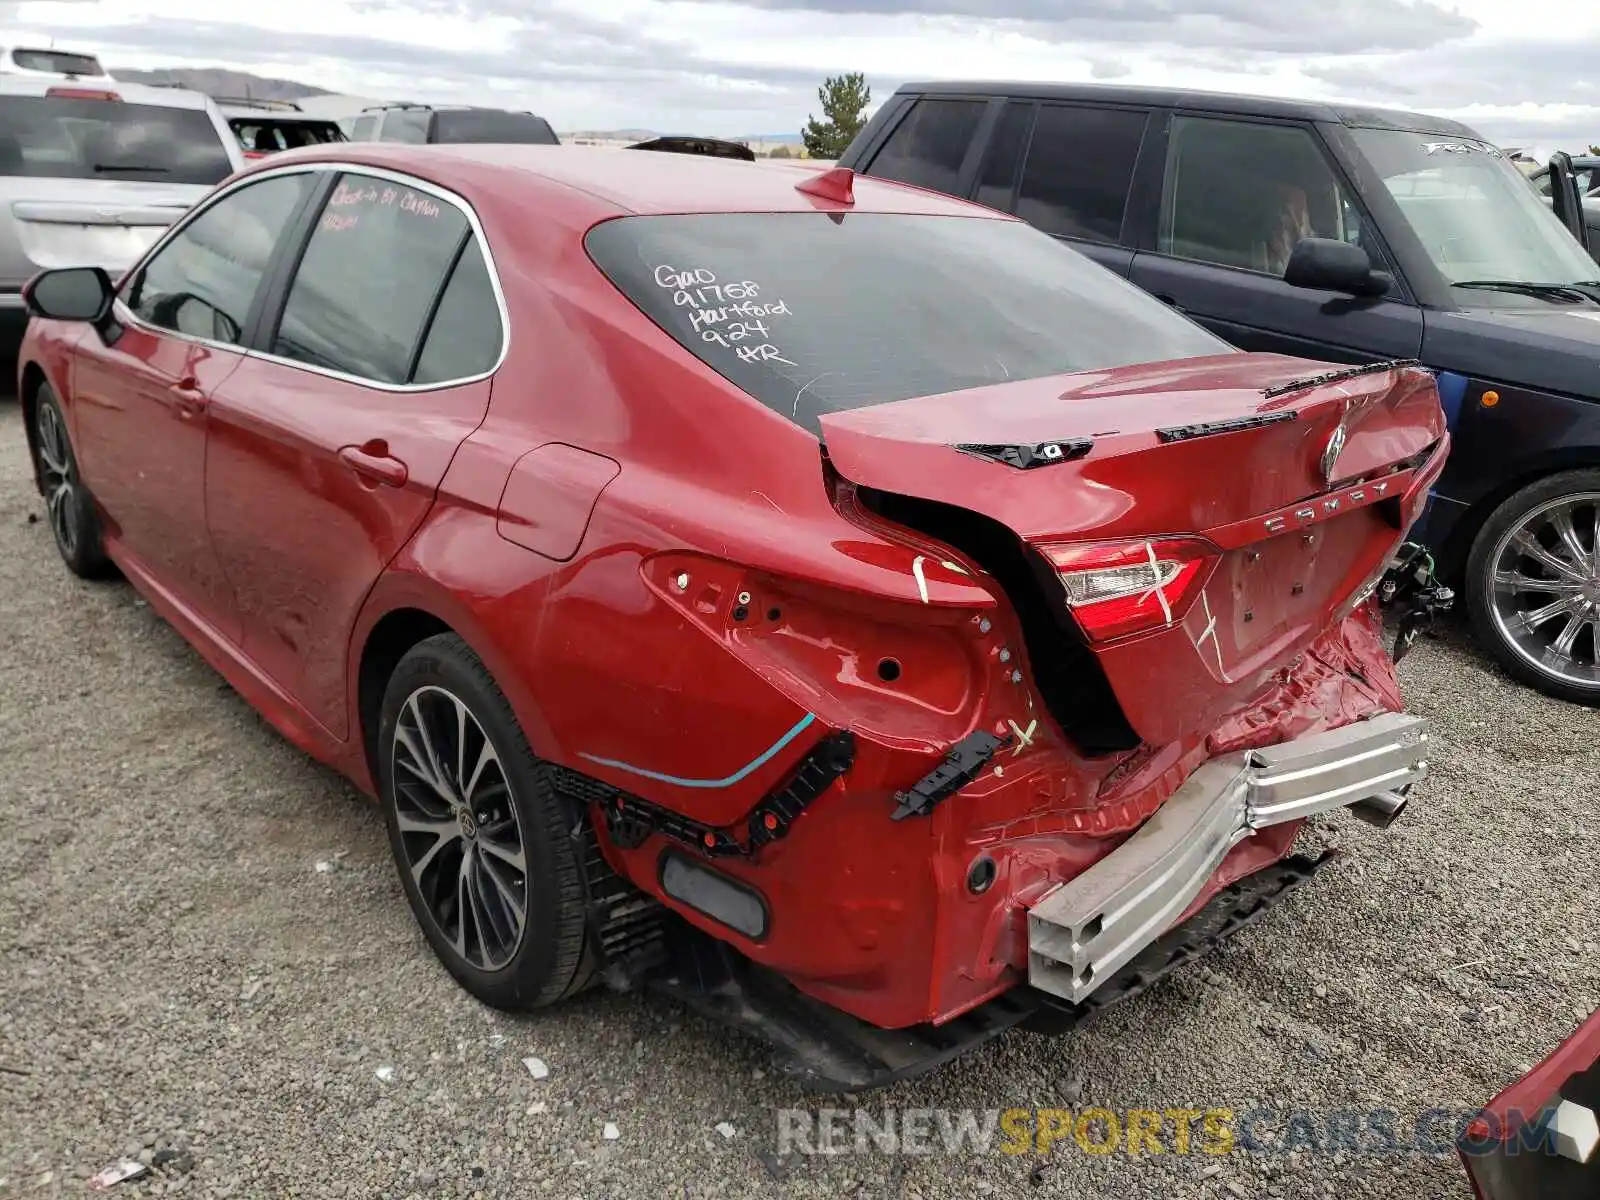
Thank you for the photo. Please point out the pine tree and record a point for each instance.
(844, 104)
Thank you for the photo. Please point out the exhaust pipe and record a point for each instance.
(1382, 810)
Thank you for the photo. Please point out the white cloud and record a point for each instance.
(1519, 72)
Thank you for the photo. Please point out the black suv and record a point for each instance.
(429, 124)
(1345, 234)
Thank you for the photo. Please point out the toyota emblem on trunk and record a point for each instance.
(1331, 454)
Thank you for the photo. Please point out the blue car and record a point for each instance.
(1351, 235)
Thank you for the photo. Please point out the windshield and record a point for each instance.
(44, 137)
(1474, 212)
(814, 312)
(493, 125)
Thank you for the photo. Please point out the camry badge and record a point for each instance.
(1331, 454)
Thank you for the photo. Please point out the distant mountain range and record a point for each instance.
(215, 81)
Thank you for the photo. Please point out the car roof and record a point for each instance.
(616, 182)
(1358, 116)
(131, 93)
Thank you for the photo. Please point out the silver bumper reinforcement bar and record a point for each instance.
(1083, 931)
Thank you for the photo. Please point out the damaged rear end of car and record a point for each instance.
(1077, 628)
(1190, 551)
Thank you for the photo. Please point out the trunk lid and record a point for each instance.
(47, 223)
(1300, 491)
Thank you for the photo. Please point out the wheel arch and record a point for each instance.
(1457, 547)
(404, 608)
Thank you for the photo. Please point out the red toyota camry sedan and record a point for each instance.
(844, 608)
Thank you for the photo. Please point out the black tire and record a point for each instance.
(1578, 678)
(548, 962)
(69, 508)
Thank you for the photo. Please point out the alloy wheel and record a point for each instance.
(458, 827)
(1544, 588)
(59, 477)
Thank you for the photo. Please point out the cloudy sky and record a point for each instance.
(1525, 72)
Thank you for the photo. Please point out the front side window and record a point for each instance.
(813, 312)
(56, 137)
(930, 143)
(1477, 219)
(203, 282)
(361, 131)
(375, 265)
(1242, 194)
(1080, 166)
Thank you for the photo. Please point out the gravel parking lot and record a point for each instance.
(178, 978)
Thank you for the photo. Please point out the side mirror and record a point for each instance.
(1334, 266)
(1566, 201)
(70, 294)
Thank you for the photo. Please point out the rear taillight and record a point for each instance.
(255, 153)
(71, 93)
(1118, 588)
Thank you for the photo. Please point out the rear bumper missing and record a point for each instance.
(1080, 933)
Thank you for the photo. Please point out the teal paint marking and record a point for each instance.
(755, 763)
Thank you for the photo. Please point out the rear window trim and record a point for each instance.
(125, 315)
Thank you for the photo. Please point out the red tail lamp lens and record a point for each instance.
(1118, 588)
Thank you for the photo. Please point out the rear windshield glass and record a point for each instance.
(49, 137)
(57, 62)
(493, 125)
(812, 313)
(257, 133)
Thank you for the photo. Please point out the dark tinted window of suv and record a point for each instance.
(369, 277)
(1080, 165)
(1243, 194)
(465, 335)
(204, 280)
(997, 181)
(493, 125)
(814, 312)
(928, 145)
(51, 137)
(405, 125)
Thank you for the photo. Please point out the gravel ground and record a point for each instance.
(179, 979)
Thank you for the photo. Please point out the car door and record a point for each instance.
(1222, 238)
(1068, 170)
(328, 443)
(141, 399)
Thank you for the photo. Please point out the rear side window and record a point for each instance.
(929, 144)
(493, 125)
(816, 312)
(57, 62)
(204, 280)
(465, 336)
(49, 137)
(366, 285)
(997, 182)
(1080, 165)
